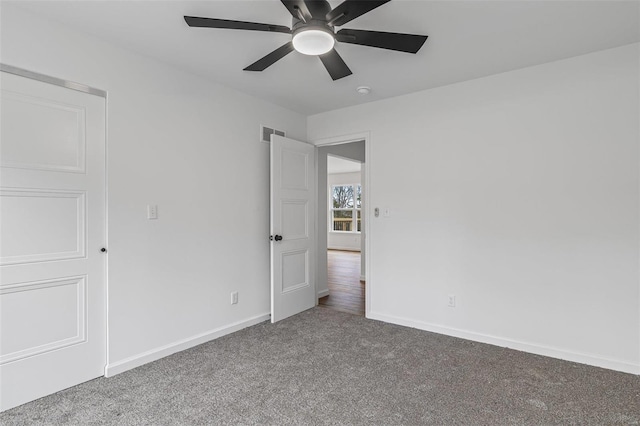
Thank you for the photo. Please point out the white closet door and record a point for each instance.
(52, 223)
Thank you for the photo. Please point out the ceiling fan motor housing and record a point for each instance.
(315, 24)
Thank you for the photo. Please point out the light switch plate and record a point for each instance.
(451, 302)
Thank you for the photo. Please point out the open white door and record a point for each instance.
(52, 216)
(293, 195)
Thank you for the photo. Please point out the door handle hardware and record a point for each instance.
(276, 238)
(103, 250)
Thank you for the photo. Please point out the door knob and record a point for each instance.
(277, 238)
(104, 250)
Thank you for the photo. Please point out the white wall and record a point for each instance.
(342, 240)
(192, 148)
(519, 194)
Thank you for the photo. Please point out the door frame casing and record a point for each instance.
(79, 87)
(341, 140)
(52, 80)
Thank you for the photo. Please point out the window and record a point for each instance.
(346, 202)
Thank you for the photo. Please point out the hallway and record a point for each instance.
(346, 291)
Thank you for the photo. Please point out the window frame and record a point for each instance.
(355, 210)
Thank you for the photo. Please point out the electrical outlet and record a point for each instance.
(234, 298)
(452, 301)
(152, 212)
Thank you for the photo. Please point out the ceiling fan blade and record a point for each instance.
(351, 9)
(409, 43)
(271, 58)
(194, 21)
(335, 65)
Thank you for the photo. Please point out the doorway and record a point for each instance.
(346, 290)
(342, 223)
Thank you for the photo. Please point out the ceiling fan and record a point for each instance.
(313, 33)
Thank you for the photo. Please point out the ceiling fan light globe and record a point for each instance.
(313, 42)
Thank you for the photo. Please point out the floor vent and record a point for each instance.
(266, 132)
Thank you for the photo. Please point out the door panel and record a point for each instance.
(41, 225)
(54, 309)
(295, 217)
(52, 216)
(57, 143)
(292, 217)
(294, 270)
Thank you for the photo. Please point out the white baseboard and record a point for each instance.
(323, 293)
(137, 360)
(363, 278)
(581, 358)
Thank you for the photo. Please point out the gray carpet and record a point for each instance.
(327, 367)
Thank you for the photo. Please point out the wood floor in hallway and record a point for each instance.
(346, 291)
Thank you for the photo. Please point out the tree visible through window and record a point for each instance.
(346, 202)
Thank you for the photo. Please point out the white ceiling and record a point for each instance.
(467, 40)
(341, 165)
